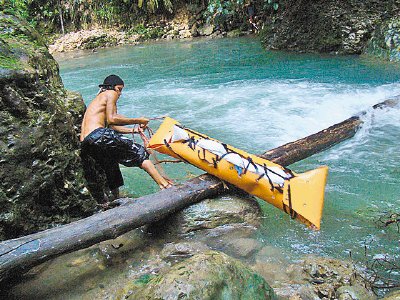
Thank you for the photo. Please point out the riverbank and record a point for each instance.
(103, 38)
(370, 29)
(182, 27)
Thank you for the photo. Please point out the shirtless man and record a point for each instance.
(101, 137)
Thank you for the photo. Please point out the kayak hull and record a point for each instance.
(299, 195)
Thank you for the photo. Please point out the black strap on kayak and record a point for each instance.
(266, 170)
(291, 212)
(269, 179)
(191, 142)
(214, 160)
(172, 150)
(288, 171)
(250, 160)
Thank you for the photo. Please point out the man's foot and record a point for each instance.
(166, 186)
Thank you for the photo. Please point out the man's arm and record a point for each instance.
(113, 118)
(124, 129)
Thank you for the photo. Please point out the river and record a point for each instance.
(235, 91)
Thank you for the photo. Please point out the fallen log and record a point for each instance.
(322, 140)
(21, 254)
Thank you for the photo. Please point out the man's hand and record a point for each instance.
(143, 120)
(143, 123)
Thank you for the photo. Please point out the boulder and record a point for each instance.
(42, 179)
(210, 275)
(225, 211)
(206, 30)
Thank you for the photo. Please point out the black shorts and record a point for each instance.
(109, 149)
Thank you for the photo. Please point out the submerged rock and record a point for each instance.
(212, 275)
(42, 178)
(176, 251)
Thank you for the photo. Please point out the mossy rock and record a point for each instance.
(385, 41)
(340, 27)
(43, 182)
(211, 275)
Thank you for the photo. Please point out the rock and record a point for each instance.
(271, 263)
(244, 247)
(211, 275)
(91, 39)
(206, 30)
(234, 33)
(352, 293)
(193, 31)
(42, 178)
(210, 214)
(332, 27)
(328, 275)
(385, 41)
(184, 34)
(175, 251)
(296, 292)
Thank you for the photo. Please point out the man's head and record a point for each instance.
(112, 82)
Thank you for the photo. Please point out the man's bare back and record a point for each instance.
(95, 116)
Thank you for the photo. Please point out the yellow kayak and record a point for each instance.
(299, 195)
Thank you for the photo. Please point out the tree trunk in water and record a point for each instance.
(21, 254)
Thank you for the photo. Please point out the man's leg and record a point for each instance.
(114, 177)
(148, 166)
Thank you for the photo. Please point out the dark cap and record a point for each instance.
(111, 81)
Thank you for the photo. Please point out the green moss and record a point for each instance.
(146, 32)
(9, 62)
(211, 275)
(144, 279)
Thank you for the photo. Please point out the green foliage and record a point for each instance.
(49, 16)
(146, 32)
(273, 5)
(218, 11)
(15, 7)
(223, 7)
(9, 62)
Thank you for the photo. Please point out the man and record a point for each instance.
(101, 137)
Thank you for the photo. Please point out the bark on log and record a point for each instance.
(21, 254)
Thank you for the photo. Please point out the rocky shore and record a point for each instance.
(206, 251)
(182, 26)
(366, 28)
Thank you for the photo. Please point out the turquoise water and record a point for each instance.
(233, 90)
